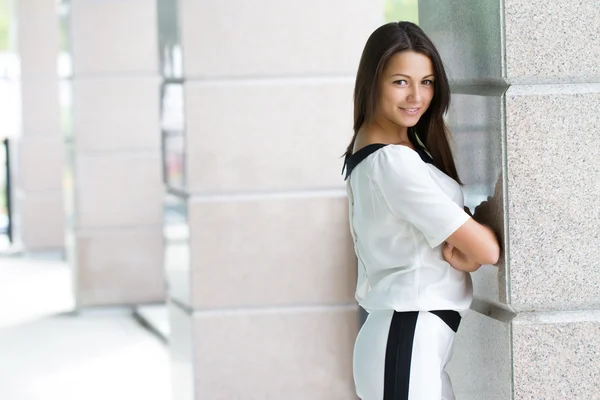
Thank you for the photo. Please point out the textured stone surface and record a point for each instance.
(481, 365)
(476, 124)
(541, 42)
(468, 35)
(548, 41)
(557, 360)
(554, 195)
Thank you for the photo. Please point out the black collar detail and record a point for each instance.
(352, 161)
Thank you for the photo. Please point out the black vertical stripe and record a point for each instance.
(398, 355)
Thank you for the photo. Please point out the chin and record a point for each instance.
(409, 122)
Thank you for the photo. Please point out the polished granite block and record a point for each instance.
(553, 195)
(476, 123)
(469, 37)
(481, 366)
(556, 356)
(516, 41)
(552, 42)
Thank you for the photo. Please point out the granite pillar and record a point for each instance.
(526, 91)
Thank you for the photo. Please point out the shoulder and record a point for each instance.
(398, 162)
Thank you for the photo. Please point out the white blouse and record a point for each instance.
(402, 209)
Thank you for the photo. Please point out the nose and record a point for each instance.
(415, 94)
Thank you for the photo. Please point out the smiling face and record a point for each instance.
(405, 89)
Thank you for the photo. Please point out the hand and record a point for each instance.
(468, 211)
(491, 211)
(457, 259)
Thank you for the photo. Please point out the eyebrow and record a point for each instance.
(410, 77)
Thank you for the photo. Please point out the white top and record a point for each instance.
(402, 209)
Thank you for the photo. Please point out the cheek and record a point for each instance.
(387, 101)
(387, 96)
(428, 97)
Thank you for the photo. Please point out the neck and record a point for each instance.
(388, 133)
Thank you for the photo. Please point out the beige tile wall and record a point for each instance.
(295, 354)
(270, 37)
(271, 252)
(119, 266)
(113, 37)
(267, 134)
(39, 153)
(268, 310)
(117, 192)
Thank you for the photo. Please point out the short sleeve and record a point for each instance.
(411, 193)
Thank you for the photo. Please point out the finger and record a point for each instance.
(447, 252)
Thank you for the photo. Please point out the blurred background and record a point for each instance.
(169, 171)
(173, 219)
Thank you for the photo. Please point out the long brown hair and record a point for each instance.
(431, 129)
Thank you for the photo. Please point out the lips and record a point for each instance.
(410, 111)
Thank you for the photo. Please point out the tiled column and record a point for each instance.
(526, 116)
(260, 265)
(115, 225)
(38, 179)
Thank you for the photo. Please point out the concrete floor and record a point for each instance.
(47, 352)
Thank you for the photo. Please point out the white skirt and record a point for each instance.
(403, 355)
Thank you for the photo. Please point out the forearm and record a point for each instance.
(458, 260)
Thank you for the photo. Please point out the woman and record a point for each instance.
(414, 241)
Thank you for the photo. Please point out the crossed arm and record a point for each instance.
(471, 245)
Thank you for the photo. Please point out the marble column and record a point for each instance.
(526, 95)
(257, 110)
(114, 181)
(38, 177)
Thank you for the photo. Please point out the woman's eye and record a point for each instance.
(428, 82)
(401, 82)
